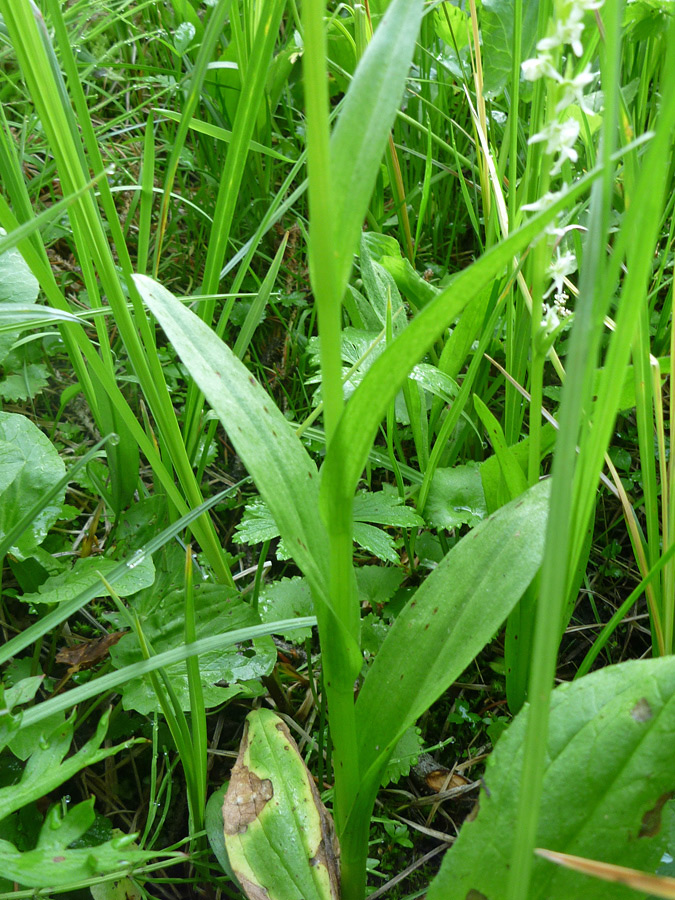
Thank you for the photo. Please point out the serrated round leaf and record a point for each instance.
(287, 599)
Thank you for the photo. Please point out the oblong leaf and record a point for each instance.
(360, 135)
(348, 451)
(282, 469)
(449, 620)
(279, 837)
(608, 776)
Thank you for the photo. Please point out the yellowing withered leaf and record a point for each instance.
(279, 837)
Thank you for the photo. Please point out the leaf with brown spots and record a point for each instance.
(606, 794)
(279, 836)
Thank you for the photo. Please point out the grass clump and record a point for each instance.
(335, 353)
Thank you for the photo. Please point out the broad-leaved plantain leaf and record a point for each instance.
(497, 33)
(608, 776)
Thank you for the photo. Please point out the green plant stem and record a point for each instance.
(327, 286)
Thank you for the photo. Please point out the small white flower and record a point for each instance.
(539, 67)
(560, 138)
(549, 319)
(560, 305)
(552, 230)
(544, 202)
(562, 266)
(566, 153)
(573, 89)
(567, 31)
(557, 136)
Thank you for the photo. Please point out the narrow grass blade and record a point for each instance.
(99, 686)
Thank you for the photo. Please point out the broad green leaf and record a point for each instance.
(218, 609)
(375, 541)
(380, 287)
(257, 525)
(25, 383)
(213, 822)
(97, 686)
(496, 24)
(385, 508)
(374, 631)
(53, 863)
(18, 286)
(85, 574)
(655, 885)
(405, 756)
(41, 468)
(418, 291)
(377, 584)
(491, 471)
(122, 889)
(359, 137)
(28, 738)
(435, 381)
(21, 740)
(21, 692)
(183, 36)
(279, 837)
(608, 775)
(453, 25)
(11, 462)
(513, 477)
(456, 498)
(450, 618)
(519, 634)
